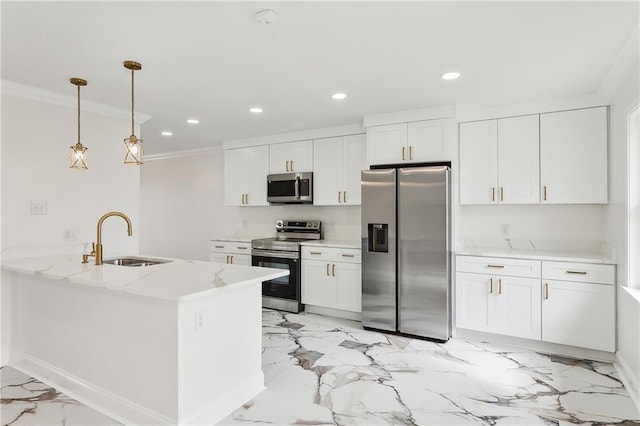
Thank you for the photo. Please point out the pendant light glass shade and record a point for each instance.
(78, 153)
(133, 145)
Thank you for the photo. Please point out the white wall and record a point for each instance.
(36, 137)
(623, 99)
(182, 208)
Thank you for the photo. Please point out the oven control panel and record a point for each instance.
(298, 225)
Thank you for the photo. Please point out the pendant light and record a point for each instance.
(78, 153)
(132, 144)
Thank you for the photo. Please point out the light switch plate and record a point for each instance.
(38, 207)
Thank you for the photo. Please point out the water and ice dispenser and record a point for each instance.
(378, 237)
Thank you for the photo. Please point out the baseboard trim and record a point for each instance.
(236, 397)
(338, 313)
(114, 406)
(629, 380)
(538, 346)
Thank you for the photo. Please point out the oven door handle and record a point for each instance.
(297, 188)
(275, 254)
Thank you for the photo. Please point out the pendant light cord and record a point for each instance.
(132, 104)
(78, 113)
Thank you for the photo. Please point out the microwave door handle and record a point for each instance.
(297, 188)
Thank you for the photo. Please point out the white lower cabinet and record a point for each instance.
(568, 303)
(332, 278)
(498, 304)
(579, 313)
(230, 252)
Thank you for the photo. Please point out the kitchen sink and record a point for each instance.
(135, 261)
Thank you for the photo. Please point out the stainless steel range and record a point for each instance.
(283, 252)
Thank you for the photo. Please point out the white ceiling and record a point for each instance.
(211, 61)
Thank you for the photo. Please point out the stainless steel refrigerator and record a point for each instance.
(406, 256)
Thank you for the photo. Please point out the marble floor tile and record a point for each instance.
(27, 401)
(320, 370)
(326, 371)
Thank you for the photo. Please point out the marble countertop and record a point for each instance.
(351, 244)
(560, 256)
(178, 281)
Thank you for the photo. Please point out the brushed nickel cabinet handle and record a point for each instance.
(577, 272)
(546, 290)
(333, 270)
(328, 269)
(490, 285)
(403, 153)
(495, 266)
(499, 285)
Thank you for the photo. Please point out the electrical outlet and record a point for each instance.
(38, 207)
(200, 320)
(504, 230)
(69, 234)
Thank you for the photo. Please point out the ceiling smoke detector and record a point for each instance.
(266, 16)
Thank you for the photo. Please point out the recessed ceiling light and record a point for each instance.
(255, 110)
(338, 96)
(193, 121)
(166, 133)
(450, 75)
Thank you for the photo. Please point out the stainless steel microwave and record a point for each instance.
(290, 188)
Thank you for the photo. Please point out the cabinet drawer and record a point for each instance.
(332, 254)
(232, 247)
(317, 253)
(498, 266)
(347, 255)
(582, 272)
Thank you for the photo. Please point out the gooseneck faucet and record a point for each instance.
(97, 246)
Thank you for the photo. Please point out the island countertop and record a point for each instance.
(178, 280)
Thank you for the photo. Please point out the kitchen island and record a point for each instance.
(172, 343)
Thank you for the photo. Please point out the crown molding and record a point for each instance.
(41, 95)
(183, 153)
(325, 132)
(626, 61)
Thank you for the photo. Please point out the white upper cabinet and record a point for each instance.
(499, 161)
(387, 144)
(337, 165)
(415, 142)
(429, 140)
(478, 162)
(245, 176)
(290, 157)
(573, 156)
(519, 160)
